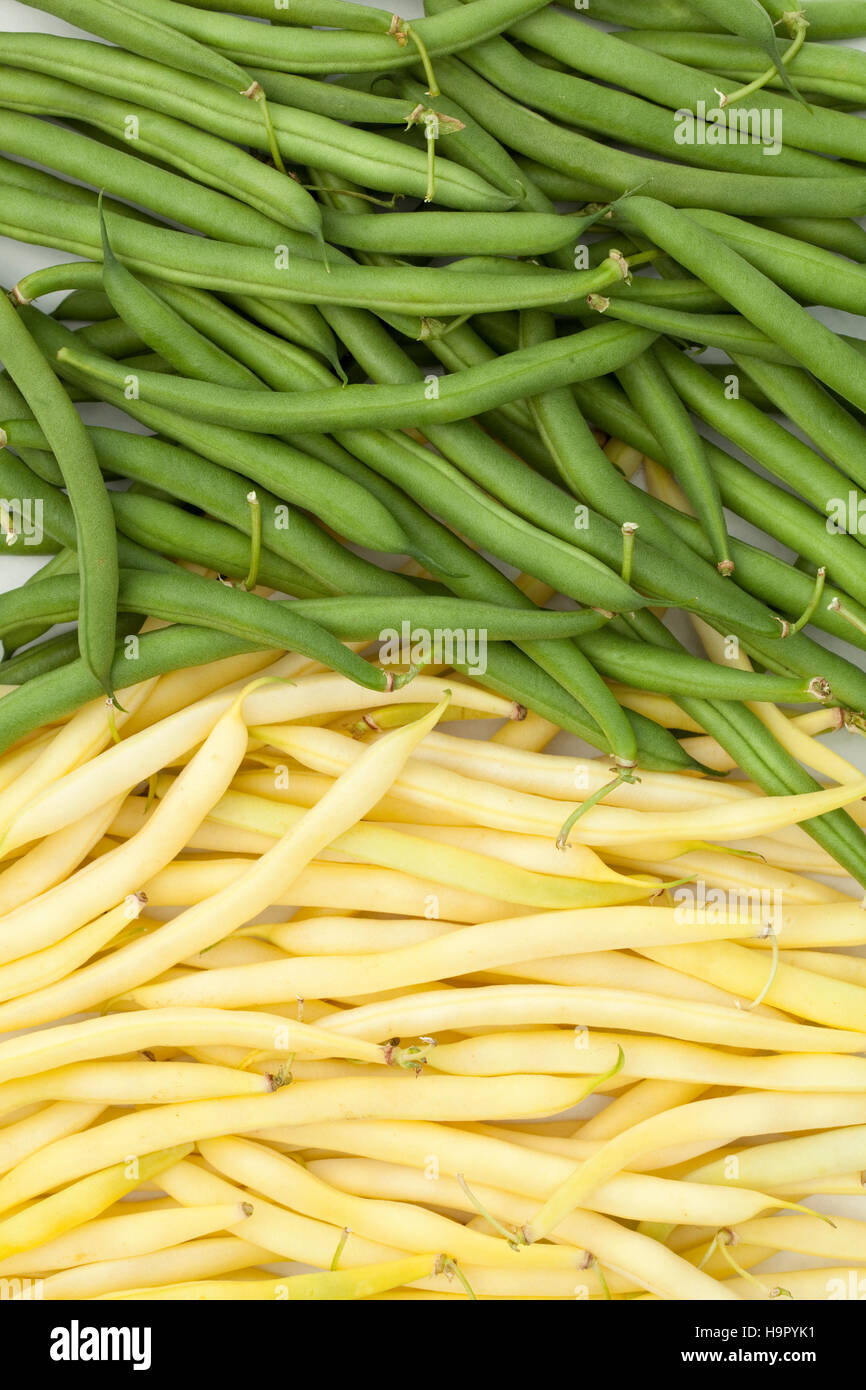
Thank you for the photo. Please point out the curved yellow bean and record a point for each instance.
(470, 949)
(81, 1201)
(710, 1121)
(501, 1005)
(132, 1083)
(436, 1097)
(504, 808)
(331, 1286)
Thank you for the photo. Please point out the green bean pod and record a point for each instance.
(96, 540)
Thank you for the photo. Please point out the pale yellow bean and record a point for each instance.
(504, 1005)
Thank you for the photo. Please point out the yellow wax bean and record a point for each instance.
(439, 1097)
(832, 1283)
(117, 1034)
(81, 1201)
(462, 952)
(197, 1259)
(660, 708)
(19, 757)
(808, 1235)
(288, 1235)
(638, 1103)
(837, 964)
(179, 689)
(453, 864)
(800, 744)
(560, 1053)
(532, 733)
(339, 936)
(646, 1261)
(786, 1161)
(89, 730)
(573, 779)
(733, 874)
(23, 1138)
(282, 1180)
(306, 788)
(124, 765)
(257, 888)
(819, 998)
(132, 1083)
(502, 1005)
(123, 870)
(707, 751)
(505, 808)
(331, 1286)
(521, 1164)
(712, 1120)
(50, 861)
(333, 887)
(55, 962)
(118, 1237)
(620, 971)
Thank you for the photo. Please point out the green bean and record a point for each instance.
(88, 306)
(808, 272)
(577, 155)
(50, 655)
(780, 452)
(671, 673)
(226, 170)
(748, 19)
(296, 625)
(815, 60)
(679, 87)
(845, 237)
(169, 530)
(474, 147)
(294, 476)
(828, 19)
(618, 115)
(500, 474)
(332, 99)
(730, 332)
(301, 324)
(797, 654)
(653, 396)
(176, 257)
(310, 50)
(455, 233)
(302, 136)
(770, 578)
(836, 432)
(187, 597)
(94, 520)
(561, 187)
(440, 400)
(761, 301)
(331, 14)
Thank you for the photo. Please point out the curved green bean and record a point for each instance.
(94, 520)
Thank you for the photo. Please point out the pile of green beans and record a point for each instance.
(382, 291)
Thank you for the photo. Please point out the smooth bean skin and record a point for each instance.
(677, 673)
(440, 400)
(185, 597)
(304, 136)
(56, 652)
(828, 19)
(96, 539)
(232, 175)
(454, 233)
(677, 86)
(224, 266)
(682, 186)
(730, 332)
(761, 301)
(619, 116)
(306, 50)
